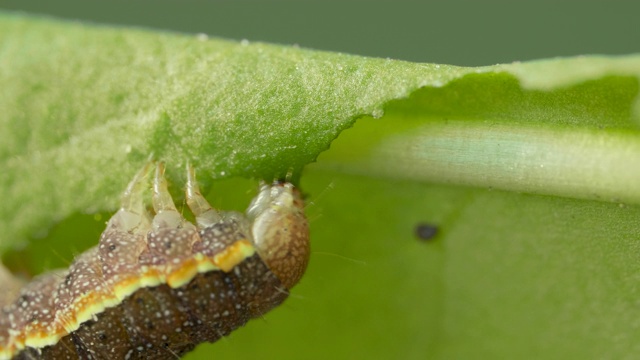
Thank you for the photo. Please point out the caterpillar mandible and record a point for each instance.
(155, 287)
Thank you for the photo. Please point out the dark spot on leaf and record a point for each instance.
(426, 231)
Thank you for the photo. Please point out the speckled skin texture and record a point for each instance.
(164, 323)
(155, 287)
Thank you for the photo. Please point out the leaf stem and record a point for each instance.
(569, 162)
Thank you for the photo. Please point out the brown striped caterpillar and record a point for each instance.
(155, 287)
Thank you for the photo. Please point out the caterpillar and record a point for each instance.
(156, 286)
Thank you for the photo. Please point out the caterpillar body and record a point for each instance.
(155, 287)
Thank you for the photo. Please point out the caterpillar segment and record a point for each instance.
(157, 285)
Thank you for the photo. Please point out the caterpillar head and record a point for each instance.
(280, 230)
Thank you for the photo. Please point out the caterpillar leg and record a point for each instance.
(167, 216)
(170, 241)
(261, 202)
(204, 213)
(224, 235)
(124, 238)
(133, 216)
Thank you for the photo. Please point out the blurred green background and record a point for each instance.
(466, 33)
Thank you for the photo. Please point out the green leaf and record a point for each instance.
(528, 170)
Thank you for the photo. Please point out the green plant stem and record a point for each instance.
(580, 163)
